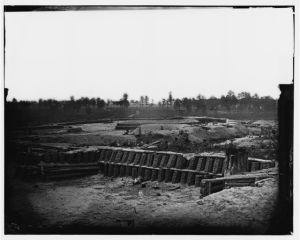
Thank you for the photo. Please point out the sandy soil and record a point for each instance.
(102, 202)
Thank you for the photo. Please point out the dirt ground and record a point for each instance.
(98, 204)
(179, 135)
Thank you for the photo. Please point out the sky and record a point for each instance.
(147, 52)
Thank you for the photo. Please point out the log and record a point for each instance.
(154, 174)
(148, 174)
(143, 159)
(124, 157)
(168, 175)
(161, 175)
(155, 163)
(198, 179)
(183, 178)
(164, 160)
(122, 171)
(193, 163)
(190, 178)
(128, 170)
(116, 170)
(130, 158)
(134, 172)
(176, 176)
(118, 156)
(137, 158)
(201, 164)
(149, 159)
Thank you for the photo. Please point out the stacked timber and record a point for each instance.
(209, 186)
(158, 166)
(119, 162)
(58, 164)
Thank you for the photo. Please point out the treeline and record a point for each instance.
(230, 102)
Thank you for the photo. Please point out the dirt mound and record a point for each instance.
(250, 142)
(163, 129)
(94, 127)
(101, 138)
(214, 132)
(264, 123)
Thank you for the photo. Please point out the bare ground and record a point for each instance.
(98, 202)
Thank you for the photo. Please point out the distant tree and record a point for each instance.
(212, 103)
(187, 103)
(93, 102)
(100, 103)
(88, 110)
(267, 98)
(142, 100)
(146, 100)
(152, 102)
(230, 94)
(170, 98)
(230, 100)
(244, 95)
(125, 96)
(200, 96)
(124, 101)
(177, 103)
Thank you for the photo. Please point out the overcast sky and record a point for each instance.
(147, 52)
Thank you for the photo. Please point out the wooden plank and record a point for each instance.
(137, 158)
(130, 158)
(124, 157)
(149, 159)
(180, 164)
(176, 176)
(155, 160)
(172, 161)
(193, 163)
(116, 170)
(102, 155)
(168, 175)
(154, 175)
(118, 156)
(148, 174)
(191, 178)
(161, 174)
(183, 177)
(201, 164)
(164, 160)
(216, 165)
(209, 165)
(113, 156)
(134, 173)
(143, 159)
